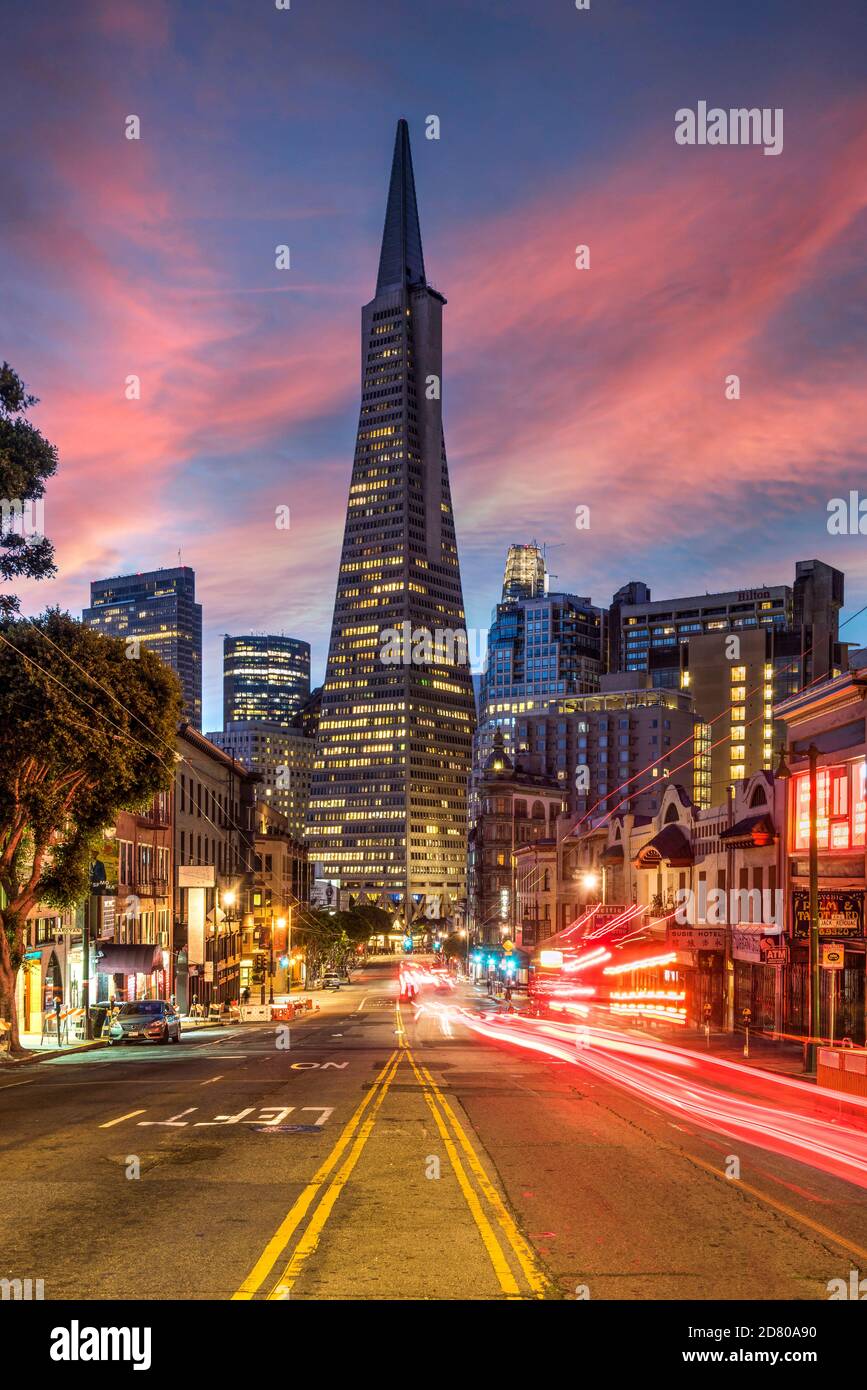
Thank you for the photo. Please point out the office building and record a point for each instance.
(155, 611)
(265, 677)
(389, 804)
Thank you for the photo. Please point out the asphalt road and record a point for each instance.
(379, 1151)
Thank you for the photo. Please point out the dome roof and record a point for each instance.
(499, 761)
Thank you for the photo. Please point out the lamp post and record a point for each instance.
(814, 994)
(591, 880)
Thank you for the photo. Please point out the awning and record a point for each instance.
(113, 959)
(752, 830)
(670, 845)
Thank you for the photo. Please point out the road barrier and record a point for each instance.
(843, 1069)
(283, 1013)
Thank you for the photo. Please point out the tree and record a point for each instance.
(85, 732)
(26, 460)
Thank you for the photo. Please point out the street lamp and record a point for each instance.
(590, 881)
(814, 995)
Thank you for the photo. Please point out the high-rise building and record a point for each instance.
(525, 575)
(264, 677)
(389, 803)
(739, 653)
(158, 611)
(538, 650)
(617, 749)
(283, 758)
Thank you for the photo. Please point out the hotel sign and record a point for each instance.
(696, 938)
(841, 912)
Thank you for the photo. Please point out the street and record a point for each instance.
(384, 1150)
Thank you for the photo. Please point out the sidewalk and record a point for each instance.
(766, 1054)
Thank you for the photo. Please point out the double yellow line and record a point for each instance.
(359, 1122)
(329, 1180)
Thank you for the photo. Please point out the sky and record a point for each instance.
(562, 388)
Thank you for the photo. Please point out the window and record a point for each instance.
(840, 809)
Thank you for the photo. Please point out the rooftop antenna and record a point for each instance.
(546, 546)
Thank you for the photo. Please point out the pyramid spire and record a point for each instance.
(401, 260)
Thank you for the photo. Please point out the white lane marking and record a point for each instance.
(211, 1080)
(121, 1118)
(18, 1083)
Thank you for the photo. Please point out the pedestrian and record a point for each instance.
(58, 1010)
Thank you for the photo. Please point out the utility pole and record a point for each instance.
(85, 966)
(815, 1019)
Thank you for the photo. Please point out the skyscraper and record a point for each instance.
(156, 610)
(264, 677)
(283, 758)
(538, 649)
(526, 575)
(739, 652)
(388, 814)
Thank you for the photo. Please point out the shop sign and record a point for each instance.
(747, 944)
(775, 950)
(833, 956)
(841, 912)
(197, 876)
(696, 938)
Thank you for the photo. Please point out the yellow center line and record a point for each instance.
(301, 1206)
(505, 1277)
(121, 1118)
(791, 1212)
(523, 1252)
(310, 1239)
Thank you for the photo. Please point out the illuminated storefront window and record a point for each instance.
(840, 806)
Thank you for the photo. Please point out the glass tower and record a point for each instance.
(389, 798)
(157, 611)
(264, 677)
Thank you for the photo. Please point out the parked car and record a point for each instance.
(146, 1020)
(331, 980)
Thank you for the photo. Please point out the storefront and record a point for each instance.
(127, 973)
(841, 925)
(759, 961)
(701, 953)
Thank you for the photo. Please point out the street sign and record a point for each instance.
(833, 956)
(508, 947)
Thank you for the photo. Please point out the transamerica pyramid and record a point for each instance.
(388, 815)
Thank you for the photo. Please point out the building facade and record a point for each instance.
(830, 718)
(515, 808)
(526, 575)
(389, 799)
(272, 958)
(618, 748)
(215, 799)
(265, 678)
(282, 757)
(156, 610)
(738, 653)
(539, 649)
